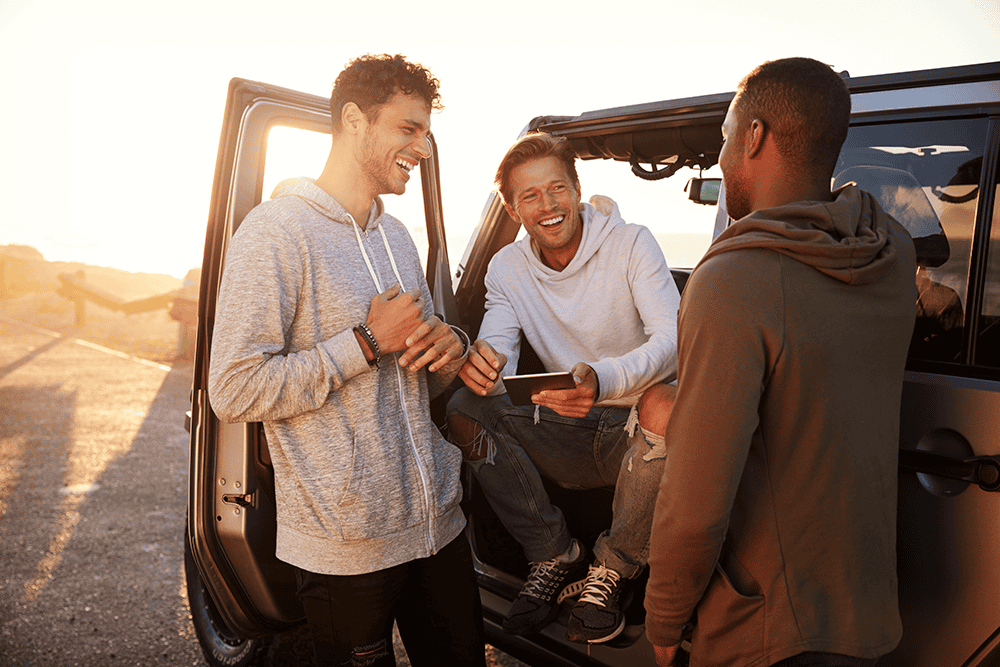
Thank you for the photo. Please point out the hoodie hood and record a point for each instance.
(598, 217)
(847, 239)
(317, 198)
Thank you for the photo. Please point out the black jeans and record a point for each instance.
(434, 602)
(819, 659)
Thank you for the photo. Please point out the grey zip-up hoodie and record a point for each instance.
(363, 478)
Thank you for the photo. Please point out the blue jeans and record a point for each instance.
(434, 601)
(592, 452)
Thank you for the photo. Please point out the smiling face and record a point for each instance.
(547, 203)
(394, 141)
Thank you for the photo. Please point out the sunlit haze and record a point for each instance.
(112, 109)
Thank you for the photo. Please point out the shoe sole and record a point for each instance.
(614, 634)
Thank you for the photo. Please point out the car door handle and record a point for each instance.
(984, 471)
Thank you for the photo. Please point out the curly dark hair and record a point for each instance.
(534, 146)
(804, 104)
(370, 80)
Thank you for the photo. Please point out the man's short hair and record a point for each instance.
(369, 81)
(804, 104)
(530, 147)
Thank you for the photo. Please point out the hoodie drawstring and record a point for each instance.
(368, 261)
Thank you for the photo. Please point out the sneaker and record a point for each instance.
(597, 616)
(537, 604)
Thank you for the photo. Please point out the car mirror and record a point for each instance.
(704, 190)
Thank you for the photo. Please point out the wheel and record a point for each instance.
(220, 646)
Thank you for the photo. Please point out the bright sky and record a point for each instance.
(112, 110)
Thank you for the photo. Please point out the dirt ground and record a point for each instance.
(72, 539)
(152, 335)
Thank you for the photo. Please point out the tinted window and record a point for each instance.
(926, 175)
(988, 341)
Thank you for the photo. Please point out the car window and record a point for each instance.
(988, 341)
(926, 175)
(294, 152)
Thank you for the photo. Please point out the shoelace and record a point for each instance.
(543, 579)
(600, 583)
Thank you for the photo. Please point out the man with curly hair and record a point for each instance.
(325, 332)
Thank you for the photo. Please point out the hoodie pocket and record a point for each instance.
(352, 474)
(383, 495)
(730, 622)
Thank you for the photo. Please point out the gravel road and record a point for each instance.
(93, 474)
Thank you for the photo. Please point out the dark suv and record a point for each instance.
(927, 144)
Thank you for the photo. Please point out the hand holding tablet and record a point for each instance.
(520, 388)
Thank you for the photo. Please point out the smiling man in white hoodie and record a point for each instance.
(592, 295)
(325, 332)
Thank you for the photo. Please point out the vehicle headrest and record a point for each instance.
(899, 194)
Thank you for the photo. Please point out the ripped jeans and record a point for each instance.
(514, 452)
(434, 602)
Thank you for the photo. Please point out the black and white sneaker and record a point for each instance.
(537, 604)
(597, 616)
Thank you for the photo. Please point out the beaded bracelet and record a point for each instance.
(369, 338)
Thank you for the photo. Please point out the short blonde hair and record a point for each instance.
(530, 147)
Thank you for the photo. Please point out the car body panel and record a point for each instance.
(948, 570)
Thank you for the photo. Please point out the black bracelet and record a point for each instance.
(373, 344)
(369, 338)
(462, 338)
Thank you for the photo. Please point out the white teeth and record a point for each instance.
(405, 165)
(551, 221)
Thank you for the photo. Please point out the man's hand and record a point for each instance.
(481, 370)
(432, 341)
(393, 316)
(665, 655)
(575, 402)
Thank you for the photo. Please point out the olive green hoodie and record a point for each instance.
(775, 520)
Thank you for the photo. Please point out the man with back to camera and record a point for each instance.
(593, 295)
(793, 335)
(325, 332)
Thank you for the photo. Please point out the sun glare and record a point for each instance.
(293, 153)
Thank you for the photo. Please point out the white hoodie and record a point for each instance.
(613, 307)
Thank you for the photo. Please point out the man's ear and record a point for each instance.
(351, 117)
(756, 135)
(512, 213)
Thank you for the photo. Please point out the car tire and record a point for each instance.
(220, 646)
